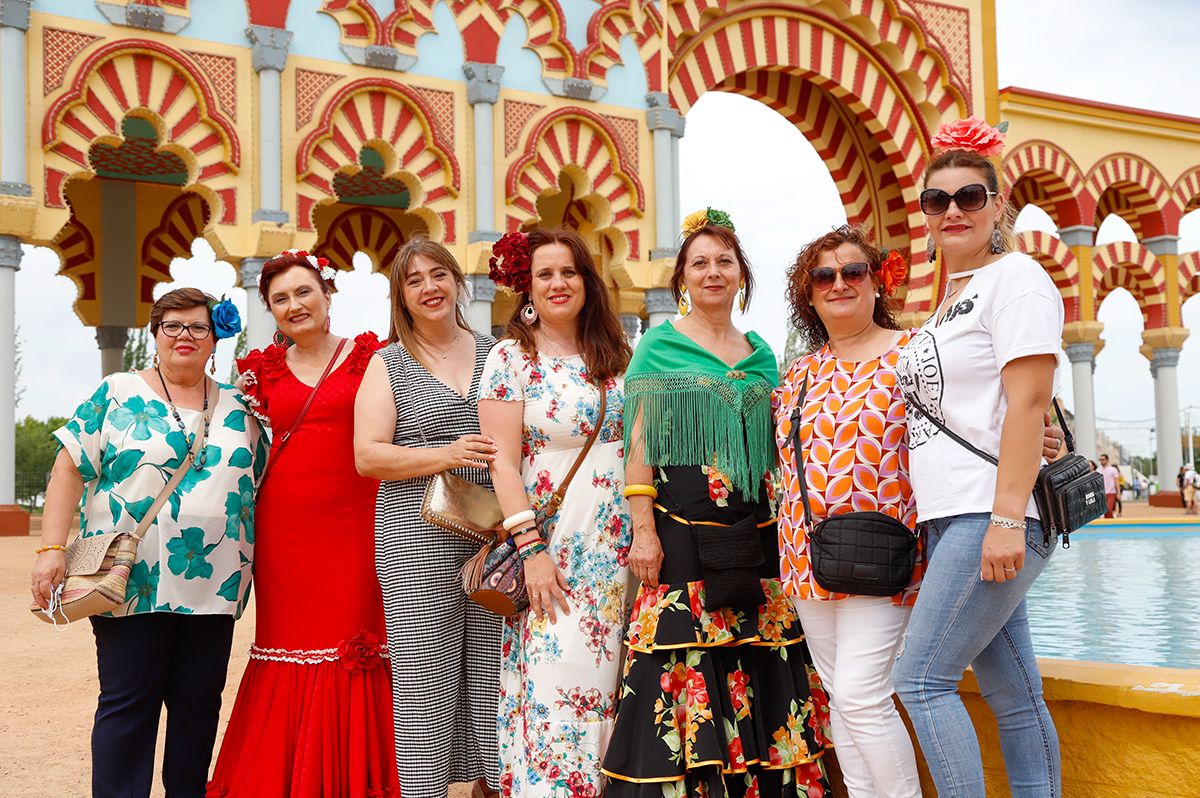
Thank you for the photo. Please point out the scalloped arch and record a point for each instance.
(1059, 262)
(1042, 173)
(1129, 265)
(1131, 187)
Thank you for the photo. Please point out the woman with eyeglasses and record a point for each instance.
(313, 715)
(983, 366)
(168, 643)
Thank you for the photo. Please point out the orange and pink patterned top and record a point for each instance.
(855, 456)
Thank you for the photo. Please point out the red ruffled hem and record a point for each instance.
(307, 731)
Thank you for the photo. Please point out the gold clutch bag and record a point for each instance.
(461, 507)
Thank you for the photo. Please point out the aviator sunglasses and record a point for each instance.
(823, 277)
(934, 201)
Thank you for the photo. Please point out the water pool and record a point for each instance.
(1123, 593)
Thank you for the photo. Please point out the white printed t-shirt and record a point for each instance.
(1008, 309)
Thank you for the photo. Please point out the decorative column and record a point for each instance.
(14, 22)
(483, 294)
(660, 305)
(13, 520)
(666, 127)
(1080, 238)
(268, 56)
(1165, 343)
(1081, 339)
(111, 340)
(260, 324)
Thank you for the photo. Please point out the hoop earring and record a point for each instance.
(685, 304)
(742, 296)
(212, 366)
(997, 241)
(529, 314)
(279, 338)
(930, 250)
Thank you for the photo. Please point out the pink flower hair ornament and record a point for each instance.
(511, 262)
(971, 134)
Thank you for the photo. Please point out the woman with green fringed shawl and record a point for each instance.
(719, 695)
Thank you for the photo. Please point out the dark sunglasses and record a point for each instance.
(934, 201)
(823, 277)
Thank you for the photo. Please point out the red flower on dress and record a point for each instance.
(971, 134)
(360, 652)
(510, 264)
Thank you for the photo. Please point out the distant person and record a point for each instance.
(1191, 485)
(1137, 488)
(1092, 464)
(1112, 478)
(1181, 480)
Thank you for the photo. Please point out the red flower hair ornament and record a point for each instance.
(971, 134)
(892, 272)
(510, 264)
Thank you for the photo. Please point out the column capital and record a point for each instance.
(486, 236)
(664, 253)
(1080, 235)
(632, 324)
(15, 13)
(1163, 338)
(1162, 245)
(269, 47)
(661, 116)
(108, 337)
(1080, 353)
(10, 253)
(1164, 358)
(249, 271)
(144, 16)
(483, 82)
(660, 300)
(481, 288)
(574, 88)
(1082, 332)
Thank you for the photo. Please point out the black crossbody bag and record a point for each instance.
(864, 553)
(1067, 493)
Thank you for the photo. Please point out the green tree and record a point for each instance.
(239, 350)
(36, 449)
(137, 350)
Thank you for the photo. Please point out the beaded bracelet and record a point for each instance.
(52, 547)
(1006, 523)
(531, 549)
(638, 489)
(518, 518)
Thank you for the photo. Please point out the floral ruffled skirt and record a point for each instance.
(722, 703)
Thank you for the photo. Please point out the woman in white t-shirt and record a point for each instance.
(983, 366)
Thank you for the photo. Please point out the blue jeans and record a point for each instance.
(960, 620)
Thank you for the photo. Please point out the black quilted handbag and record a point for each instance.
(864, 553)
(1067, 493)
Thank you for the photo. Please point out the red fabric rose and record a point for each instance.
(892, 272)
(510, 264)
(971, 134)
(360, 652)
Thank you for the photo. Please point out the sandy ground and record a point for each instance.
(48, 691)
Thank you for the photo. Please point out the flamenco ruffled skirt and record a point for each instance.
(310, 724)
(714, 704)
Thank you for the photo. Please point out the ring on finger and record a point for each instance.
(1009, 570)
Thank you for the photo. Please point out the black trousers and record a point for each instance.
(146, 661)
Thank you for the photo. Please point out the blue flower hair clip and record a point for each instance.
(227, 322)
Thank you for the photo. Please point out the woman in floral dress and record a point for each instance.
(540, 401)
(719, 695)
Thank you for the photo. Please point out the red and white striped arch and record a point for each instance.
(1129, 186)
(182, 222)
(576, 138)
(1189, 275)
(1042, 174)
(609, 25)
(77, 255)
(1187, 191)
(158, 83)
(1059, 262)
(1128, 265)
(397, 122)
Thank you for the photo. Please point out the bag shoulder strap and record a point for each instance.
(914, 402)
(176, 478)
(798, 447)
(557, 498)
(283, 441)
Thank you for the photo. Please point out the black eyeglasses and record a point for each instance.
(199, 330)
(823, 277)
(934, 201)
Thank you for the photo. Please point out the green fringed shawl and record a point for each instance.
(692, 406)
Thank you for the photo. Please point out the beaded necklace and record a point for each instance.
(202, 458)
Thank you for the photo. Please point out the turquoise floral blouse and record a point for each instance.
(198, 555)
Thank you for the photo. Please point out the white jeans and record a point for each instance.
(853, 643)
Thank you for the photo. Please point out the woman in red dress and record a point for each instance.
(313, 717)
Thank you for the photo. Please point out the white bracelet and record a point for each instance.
(1007, 523)
(517, 518)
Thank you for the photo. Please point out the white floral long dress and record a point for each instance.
(558, 682)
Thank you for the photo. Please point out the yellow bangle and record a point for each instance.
(641, 490)
(54, 547)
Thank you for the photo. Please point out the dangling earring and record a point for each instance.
(327, 322)
(742, 296)
(156, 361)
(529, 314)
(212, 366)
(685, 304)
(279, 339)
(930, 250)
(997, 241)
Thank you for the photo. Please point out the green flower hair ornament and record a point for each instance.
(227, 322)
(708, 216)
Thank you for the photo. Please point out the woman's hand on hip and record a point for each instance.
(546, 586)
(471, 451)
(48, 571)
(646, 556)
(1003, 554)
